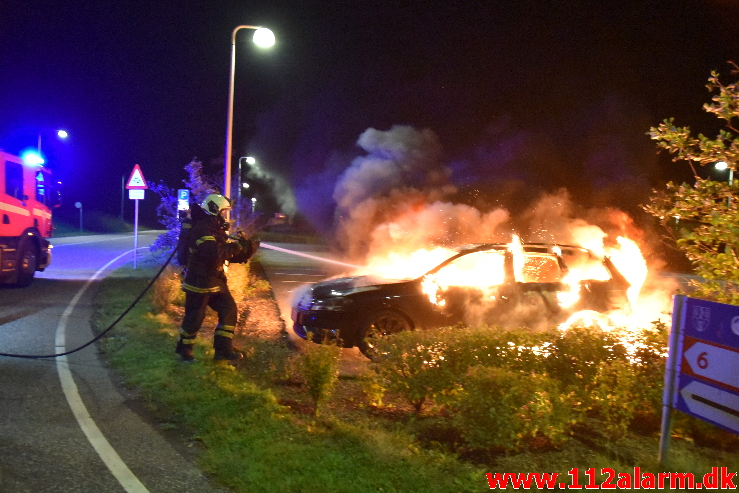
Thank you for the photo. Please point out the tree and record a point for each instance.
(703, 217)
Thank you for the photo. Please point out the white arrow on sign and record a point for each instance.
(712, 404)
(715, 363)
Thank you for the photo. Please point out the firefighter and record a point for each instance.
(208, 248)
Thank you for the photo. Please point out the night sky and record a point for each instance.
(524, 96)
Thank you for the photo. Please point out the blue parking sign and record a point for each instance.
(183, 199)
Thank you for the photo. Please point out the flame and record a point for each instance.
(630, 262)
(399, 265)
(485, 271)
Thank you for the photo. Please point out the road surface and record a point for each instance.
(289, 267)
(65, 426)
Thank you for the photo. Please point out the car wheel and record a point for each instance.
(27, 263)
(382, 323)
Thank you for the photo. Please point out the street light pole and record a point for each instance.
(262, 37)
(249, 160)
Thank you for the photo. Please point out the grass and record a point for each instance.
(250, 441)
(257, 431)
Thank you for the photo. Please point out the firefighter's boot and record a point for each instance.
(223, 345)
(185, 346)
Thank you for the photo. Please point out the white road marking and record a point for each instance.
(96, 438)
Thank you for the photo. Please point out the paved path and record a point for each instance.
(68, 426)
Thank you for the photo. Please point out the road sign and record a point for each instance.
(702, 372)
(708, 356)
(712, 322)
(716, 364)
(709, 403)
(136, 194)
(183, 199)
(136, 180)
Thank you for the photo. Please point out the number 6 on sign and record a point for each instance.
(723, 367)
(702, 361)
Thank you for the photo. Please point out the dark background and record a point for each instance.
(524, 95)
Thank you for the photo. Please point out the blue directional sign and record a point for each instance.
(707, 368)
(712, 322)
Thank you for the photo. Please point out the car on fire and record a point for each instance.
(516, 283)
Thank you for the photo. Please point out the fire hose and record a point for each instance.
(108, 329)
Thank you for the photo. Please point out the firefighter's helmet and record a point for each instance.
(215, 203)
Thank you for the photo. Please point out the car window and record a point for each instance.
(539, 268)
(479, 268)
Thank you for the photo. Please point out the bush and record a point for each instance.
(577, 354)
(167, 290)
(414, 364)
(238, 281)
(587, 368)
(319, 365)
(500, 408)
(613, 396)
(648, 364)
(516, 349)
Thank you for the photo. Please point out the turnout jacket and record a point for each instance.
(209, 248)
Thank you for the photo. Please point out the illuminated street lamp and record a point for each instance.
(264, 38)
(62, 134)
(249, 160)
(722, 165)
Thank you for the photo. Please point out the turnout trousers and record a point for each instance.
(223, 304)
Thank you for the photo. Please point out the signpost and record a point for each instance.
(702, 375)
(183, 199)
(136, 185)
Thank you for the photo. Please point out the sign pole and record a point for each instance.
(136, 187)
(673, 360)
(135, 232)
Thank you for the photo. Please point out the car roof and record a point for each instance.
(544, 248)
(527, 247)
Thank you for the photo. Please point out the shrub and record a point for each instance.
(319, 365)
(613, 396)
(167, 290)
(414, 364)
(500, 408)
(516, 349)
(649, 368)
(238, 281)
(576, 355)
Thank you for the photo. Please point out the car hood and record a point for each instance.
(345, 285)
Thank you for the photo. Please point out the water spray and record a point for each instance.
(306, 255)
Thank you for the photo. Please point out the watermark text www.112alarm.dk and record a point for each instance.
(718, 478)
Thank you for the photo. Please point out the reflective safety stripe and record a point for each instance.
(204, 239)
(195, 289)
(186, 335)
(224, 331)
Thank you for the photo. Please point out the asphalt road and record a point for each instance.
(65, 424)
(290, 266)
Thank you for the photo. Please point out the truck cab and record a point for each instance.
(27, 196)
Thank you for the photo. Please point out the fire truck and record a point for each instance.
(27, 196)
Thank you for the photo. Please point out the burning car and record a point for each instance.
(494, 283)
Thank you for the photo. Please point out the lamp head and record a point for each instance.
(264, 38)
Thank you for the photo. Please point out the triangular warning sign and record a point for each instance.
(136, 180)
